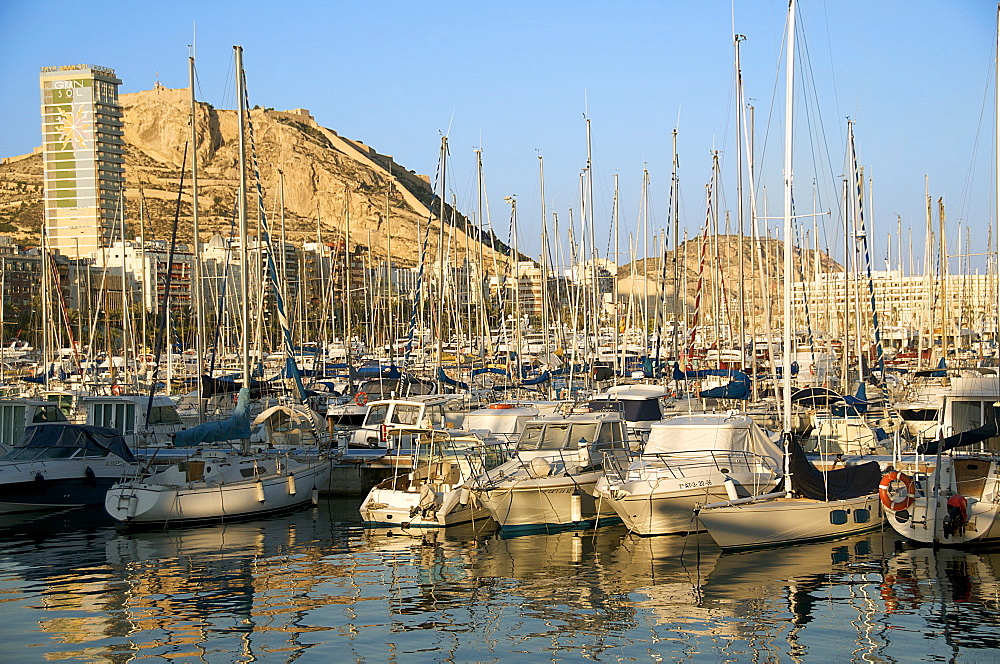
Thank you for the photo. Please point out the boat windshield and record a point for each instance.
(376, 414)
(48, 414)
(405, 414)
(39, 453)
(556, 435)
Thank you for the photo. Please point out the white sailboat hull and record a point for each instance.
(146, 502)
(789, 520)
(983, 523)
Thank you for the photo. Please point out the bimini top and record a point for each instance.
(96, 441)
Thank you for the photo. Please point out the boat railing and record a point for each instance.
(680, 465)
(552, 463)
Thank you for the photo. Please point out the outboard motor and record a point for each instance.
(954, 523)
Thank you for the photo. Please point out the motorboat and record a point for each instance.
(434, 493)
(145, 421)
(689, 460)
(503, 419)
(16, 415)
(549, 482)
(639, 403)
(966, 392)
(393, 425)
(61, 465)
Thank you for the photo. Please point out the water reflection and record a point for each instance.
(316, 584)
(955, 593)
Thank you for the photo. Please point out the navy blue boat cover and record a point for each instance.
(98, 439)
(840, 484)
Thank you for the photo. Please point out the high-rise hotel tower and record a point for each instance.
(84, 156)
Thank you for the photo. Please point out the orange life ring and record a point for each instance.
(117, 390)
(500, 406)
(361, 398)
(891, 501)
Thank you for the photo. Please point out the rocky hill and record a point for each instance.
(330, 183)
(729, 273)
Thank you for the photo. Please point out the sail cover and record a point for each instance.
(971, 437)
(840, 484)
(236, 427)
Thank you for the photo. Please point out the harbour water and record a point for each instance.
(316, 586)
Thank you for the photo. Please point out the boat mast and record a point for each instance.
(786, 374)
(546, 346)
(740, 213)
(242, 213)
(675, 341)
(196, 276)
(439, 300)
(595, 310)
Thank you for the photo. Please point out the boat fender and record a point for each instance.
(539, 468)
(731, 491)
(465, 495)
(314, 497)
(259, 490)
(428, 499)
(901, 497)
(40, 482)
(290, 481)
(90, 477)
(451, 501)
(576, 507)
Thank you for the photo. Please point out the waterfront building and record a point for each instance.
(908, 307)
(83, 157)
(145, 268)
(20, 274)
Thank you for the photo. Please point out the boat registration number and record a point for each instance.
(694, 485)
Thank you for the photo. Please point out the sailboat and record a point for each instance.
(958, 500)
(814, 505)
(219, 483)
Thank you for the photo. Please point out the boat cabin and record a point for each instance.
(589, 435)
(17, 414)
(127, 414)
(395, 423)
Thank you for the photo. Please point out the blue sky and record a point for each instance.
(516, 78)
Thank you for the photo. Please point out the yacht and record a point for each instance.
(550, 480)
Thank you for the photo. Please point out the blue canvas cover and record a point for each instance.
(237, 427)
